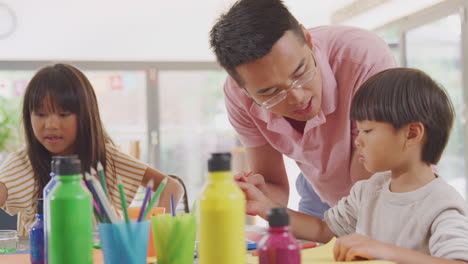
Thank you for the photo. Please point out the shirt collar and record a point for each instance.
(329, 85)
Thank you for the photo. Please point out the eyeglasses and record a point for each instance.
(298, 83)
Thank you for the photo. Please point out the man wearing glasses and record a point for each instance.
(289, 92)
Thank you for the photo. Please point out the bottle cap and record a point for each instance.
(219, 162)
(53, 162)
(67, 165)
(278, 217)
(40, 206)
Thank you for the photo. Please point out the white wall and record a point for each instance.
(141, 30)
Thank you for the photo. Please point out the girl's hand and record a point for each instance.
(3, 193)
(256, 201)
(359, 247)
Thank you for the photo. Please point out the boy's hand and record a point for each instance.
(256, 201)
(255, 179)
(359, 247)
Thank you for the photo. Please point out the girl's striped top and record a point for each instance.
(17, 175)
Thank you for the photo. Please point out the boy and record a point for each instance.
(405, 212)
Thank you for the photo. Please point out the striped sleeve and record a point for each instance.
(17, 175)
(129, 170)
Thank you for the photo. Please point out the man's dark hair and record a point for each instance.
(249, 30)
(401, 96)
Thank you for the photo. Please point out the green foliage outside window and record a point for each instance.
(11, 135)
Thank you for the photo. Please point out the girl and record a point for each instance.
(405, 212)
(61, 117)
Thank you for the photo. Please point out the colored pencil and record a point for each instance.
(149, 189)
(101, 196)
(95, 205)
(308, 245)
(123, 200)
(161, 187)
(102, 178)
(89, 184)
(173, 212)
(243, 178)
(97, 210)
(98, 216)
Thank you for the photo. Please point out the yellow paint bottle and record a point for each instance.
(222, 216)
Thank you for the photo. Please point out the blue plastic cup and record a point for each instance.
(124, 243)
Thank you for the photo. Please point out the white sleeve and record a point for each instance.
(449, 235)
(342, 218)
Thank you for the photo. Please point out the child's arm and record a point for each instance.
(358, 247)
(303, 226)
(309, 227)
(3, 194)
(172, 187)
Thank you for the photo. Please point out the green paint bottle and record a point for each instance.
(70, 225)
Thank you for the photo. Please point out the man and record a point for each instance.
(289, 93)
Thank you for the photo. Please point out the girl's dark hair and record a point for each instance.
(249, 30)
(67, 89)
(401, 96)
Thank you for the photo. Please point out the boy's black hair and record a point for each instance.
(401, 96)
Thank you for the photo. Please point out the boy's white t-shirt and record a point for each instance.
(432, 219)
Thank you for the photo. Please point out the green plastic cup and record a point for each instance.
(174, 238)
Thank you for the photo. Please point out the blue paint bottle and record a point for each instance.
(36, 236)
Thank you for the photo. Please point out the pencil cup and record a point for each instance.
(133, 213)
(174, 238)
(124, 243)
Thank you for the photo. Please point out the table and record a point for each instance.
(322, 255)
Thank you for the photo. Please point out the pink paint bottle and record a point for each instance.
(279, 246)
